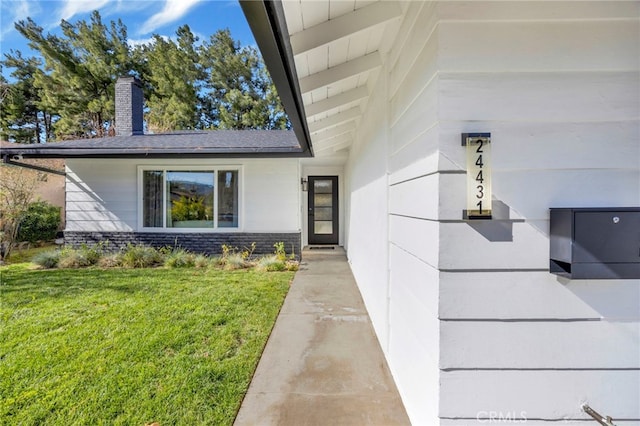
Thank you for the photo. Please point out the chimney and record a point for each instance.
(129, 104)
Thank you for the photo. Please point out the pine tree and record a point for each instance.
(173, 75)
(81, 69)
(21, 118)
(240, 94)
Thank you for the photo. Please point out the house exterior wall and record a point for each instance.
(102, 199)
(475, 328)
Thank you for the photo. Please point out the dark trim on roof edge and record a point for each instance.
(268, 24)
(7, 160)
(8, 154)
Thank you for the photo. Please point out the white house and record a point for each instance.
(195, 190)
(478, 322)
(475, 328)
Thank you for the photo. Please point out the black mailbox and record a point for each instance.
(595, 243)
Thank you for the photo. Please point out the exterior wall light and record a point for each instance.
(305, 184)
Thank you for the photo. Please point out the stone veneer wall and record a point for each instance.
(207, 243)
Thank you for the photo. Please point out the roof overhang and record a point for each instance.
(325, 57)
(13, 155)
(268, 24)
(178, 144)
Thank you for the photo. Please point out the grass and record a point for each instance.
(131, 346)
(26, 254)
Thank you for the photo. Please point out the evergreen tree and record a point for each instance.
(240, 92)
(21, 118)
(214, 85)
(81, 69)
(173, 76)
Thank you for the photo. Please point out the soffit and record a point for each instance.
(338, 48)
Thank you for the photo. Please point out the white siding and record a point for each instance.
(393, 177)
(102, 194)
(560, 98)
(558, 86)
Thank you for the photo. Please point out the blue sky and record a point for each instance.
(143, 18)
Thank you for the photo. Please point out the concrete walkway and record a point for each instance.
(322, 364)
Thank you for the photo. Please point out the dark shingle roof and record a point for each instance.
(183, 144)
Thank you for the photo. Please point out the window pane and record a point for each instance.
(323, 227)
(323, 213)
(228, 199)
(190, 199)
(152, 198)
(322, 200)
(323, 186)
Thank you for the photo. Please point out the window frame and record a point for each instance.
(164, 168)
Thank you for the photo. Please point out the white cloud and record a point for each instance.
(75, 7)
(172, 11)
(143, 41)
(18, 11)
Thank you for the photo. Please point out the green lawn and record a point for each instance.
(131, 347)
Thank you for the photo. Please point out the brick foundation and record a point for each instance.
(207, 243)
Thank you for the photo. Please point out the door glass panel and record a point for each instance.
(323, 186)
(322, 200)
(323, 227)
(324, 213)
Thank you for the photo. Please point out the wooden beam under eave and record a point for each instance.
(328, 144)
(336, 101)
(334, 120)
(335, 131)
(344, 26)
(340, 72)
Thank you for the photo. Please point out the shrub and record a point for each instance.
(179, 258)
(74, 259)
(47, 259)
(270, 264)
(292, 265)
(140, 256)
(201, 261)
(233, 261)
(112, 260)
(40, 222)
(281, 253)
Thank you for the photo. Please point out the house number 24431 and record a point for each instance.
(478, 146)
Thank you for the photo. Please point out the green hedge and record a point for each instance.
(40, 223)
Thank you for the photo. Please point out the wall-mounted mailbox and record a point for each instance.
(595, 243)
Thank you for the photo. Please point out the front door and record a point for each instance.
(323, 209)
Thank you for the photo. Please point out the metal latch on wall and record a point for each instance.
(605, 421)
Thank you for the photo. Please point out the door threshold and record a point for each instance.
(322, 247)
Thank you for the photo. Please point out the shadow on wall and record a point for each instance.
(500, 227)
(614, 300)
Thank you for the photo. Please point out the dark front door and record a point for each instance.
(323, 209)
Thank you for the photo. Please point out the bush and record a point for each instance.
(75, 258)
(41, 222)
(47, 259)
(179, 258)
(112, 260)
(233, 261)
(141, 256)
(201, 261)
(271, 264)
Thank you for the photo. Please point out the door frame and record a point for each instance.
(319, 239)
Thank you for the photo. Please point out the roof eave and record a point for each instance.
(268, 24)
(10, 154)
